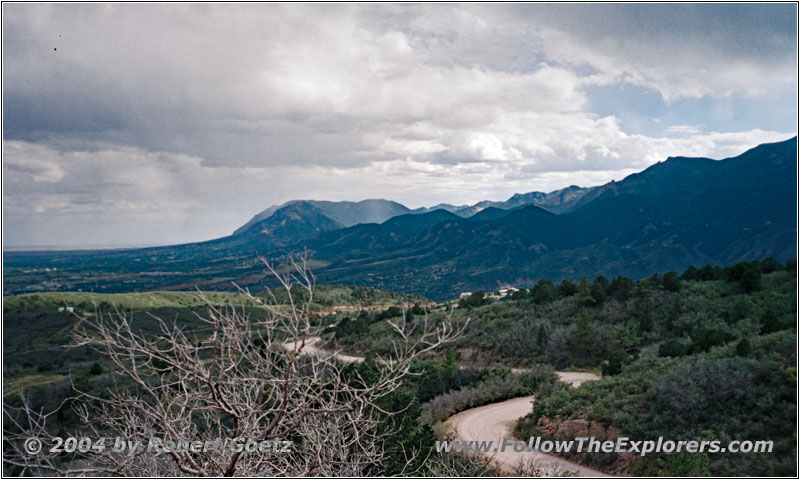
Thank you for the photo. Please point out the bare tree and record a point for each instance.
(236, 377)
(450, 464)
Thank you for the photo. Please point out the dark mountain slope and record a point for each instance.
(557, 201)
(290, 224)
(673, 214)
(488, 214)
(370, 239)
(765, 167)
(345, 213)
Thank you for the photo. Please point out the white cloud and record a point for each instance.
(193, 117)
(26, 162)
(108, 196)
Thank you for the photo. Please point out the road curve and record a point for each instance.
(310, 348)
(491, 422)
(496, 421)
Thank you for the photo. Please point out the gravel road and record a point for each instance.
(495, 421)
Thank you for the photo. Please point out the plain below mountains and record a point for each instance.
(678, 212)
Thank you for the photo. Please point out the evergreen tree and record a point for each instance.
(544, 291)
(671, 282)
(621, 288)
(599, 289)
(585, 297)
(541, 336)
(567, 288)
(690, 273)
(582, 339)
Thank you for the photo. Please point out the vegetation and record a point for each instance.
(702, 345)
(715, 361)
(231, 376)
(707, 353)
(496, 388)
(324, 296)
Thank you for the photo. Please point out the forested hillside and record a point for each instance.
(707, 354)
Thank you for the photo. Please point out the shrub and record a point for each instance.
(492, 390)
(96, 369)
(475, 299)
(672, 348)
(707, 337)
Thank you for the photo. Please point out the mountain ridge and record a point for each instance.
(674, 213)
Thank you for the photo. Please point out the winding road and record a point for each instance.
(493, 422)
(310, 348)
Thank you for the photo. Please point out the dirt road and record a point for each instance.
(492, 422)
(310, 349)
(495, 421)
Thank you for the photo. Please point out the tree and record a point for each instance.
(642, 313)
(544, 291)
(751, 279)
(772, 321)
(585, 297)
(673, 315)
(582, 339)
(769, 265)
(541, 336)
(599, 289)
(671, 282)
(672, 348)
(450, 369)
(708, 272)
(475, 299)
(616, 361)
(520, 294)
(743, 347)
(690, 273)
(791, 265)
(392, 312)
(684, 464)
(621, 288)
(656, 280)
(567, 288)
(418, 310)
(709, 336)
(217, 382)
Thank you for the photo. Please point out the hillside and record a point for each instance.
(678, 212)
(675, 213)
(346, 214)
(696, 355)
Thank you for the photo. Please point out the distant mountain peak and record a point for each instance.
(347, 213)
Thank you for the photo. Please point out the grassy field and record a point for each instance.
(36, 340)
(324, 295)
(123, 301)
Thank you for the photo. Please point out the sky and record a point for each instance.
(145, 124)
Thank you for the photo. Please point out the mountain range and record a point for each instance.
(678, 212)
(295, 220)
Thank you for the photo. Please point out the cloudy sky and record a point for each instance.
(152, 124)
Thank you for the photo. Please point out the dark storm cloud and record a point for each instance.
(162, 112)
